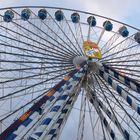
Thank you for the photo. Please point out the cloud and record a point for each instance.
(126, 11)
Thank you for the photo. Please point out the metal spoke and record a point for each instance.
(119, 104)
(32, 86)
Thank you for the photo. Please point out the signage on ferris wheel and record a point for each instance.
(91, 50)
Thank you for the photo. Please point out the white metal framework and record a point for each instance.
(51, 89)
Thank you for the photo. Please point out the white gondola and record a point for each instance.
(75, 17)
(8, 16)
(91, 21)
(123, 31)
(108, 26)
(59, 15)
(42, 14)
(25, 14)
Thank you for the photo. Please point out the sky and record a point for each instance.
(123, 10)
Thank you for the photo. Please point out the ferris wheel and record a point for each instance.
(68, 74)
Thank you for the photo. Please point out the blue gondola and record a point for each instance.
(123, 31)
(91, 21)
(137, 37)
(59, 15)
(42, 14)
(8, 16)
(75, 17)
(25, 14)
(108, 26)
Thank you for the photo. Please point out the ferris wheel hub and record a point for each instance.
(79, 60)
(93, 66)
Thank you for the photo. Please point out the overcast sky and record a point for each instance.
(124, 10)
